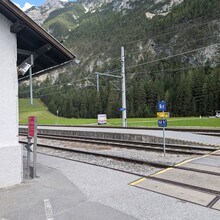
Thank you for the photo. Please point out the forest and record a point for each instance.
(189, 93)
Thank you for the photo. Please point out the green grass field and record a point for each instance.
(45, 117)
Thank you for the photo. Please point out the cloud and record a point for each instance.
(27, 5)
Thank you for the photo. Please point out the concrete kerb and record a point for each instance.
(116, 136)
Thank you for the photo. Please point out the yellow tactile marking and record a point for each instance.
(137, 181)
(170, 168)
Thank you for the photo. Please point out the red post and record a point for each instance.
(31, 126)
(32, 133)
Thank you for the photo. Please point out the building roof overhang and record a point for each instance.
(34, 40)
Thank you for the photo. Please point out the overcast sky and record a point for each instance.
(25, 4)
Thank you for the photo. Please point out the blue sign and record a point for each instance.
(162, 123)
(122, 109)
(161, 107)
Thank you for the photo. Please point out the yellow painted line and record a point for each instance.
(170, 168)
(137, 181)
(179, 164)
(162, 171)
(189, 160)
(215, 152)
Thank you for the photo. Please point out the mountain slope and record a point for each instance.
(39, 14)
(101, 32)
(61, 22)
(172, 53)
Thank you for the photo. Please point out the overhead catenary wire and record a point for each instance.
(172, 56)
(162, 33)
(173, 70)
(58, 85)
(152, 61)
(177, 44)
(66, 83)
(46, 87)
(170, 32)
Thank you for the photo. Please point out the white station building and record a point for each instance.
(20, 39)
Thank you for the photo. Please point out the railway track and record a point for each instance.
(152, 167)
(96, 146)
(159, 165)
(63, 149)
(148, 146)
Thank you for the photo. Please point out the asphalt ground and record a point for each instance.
(66, 190)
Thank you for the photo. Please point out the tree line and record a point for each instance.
(193, 92)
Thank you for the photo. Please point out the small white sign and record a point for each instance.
(102, 119)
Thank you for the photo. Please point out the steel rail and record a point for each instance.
(171, 148)
(125, 159)
(185, 185)
(155, 164)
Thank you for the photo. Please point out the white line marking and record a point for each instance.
(48, 209)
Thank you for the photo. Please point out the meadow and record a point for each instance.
(46, 118)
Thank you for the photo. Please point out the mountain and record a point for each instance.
(162, 6)
(86, 23)
(171, 47)
(39, 14)
(154, 7)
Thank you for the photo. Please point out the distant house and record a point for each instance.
(217, 113)
(20, 39)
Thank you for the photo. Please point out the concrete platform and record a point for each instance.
(217, 205)
(71, 190)
(172, 137)
(202, 167)
(52, 196)
(185, 194)
(203, 180)
(213, 161)
(182, 184)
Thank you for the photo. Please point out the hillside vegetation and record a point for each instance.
(173, 58)
(44, 117)
(62, 22)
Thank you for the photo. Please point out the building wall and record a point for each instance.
(10, 150)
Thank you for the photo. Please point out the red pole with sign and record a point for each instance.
(31, 126)
(32, 133)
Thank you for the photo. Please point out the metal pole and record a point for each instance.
(31, 82)
(35, 149)
(164, 147)
(97, 81)
(28, 158)
(31, 86)
(123, 88)
(57, 116)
